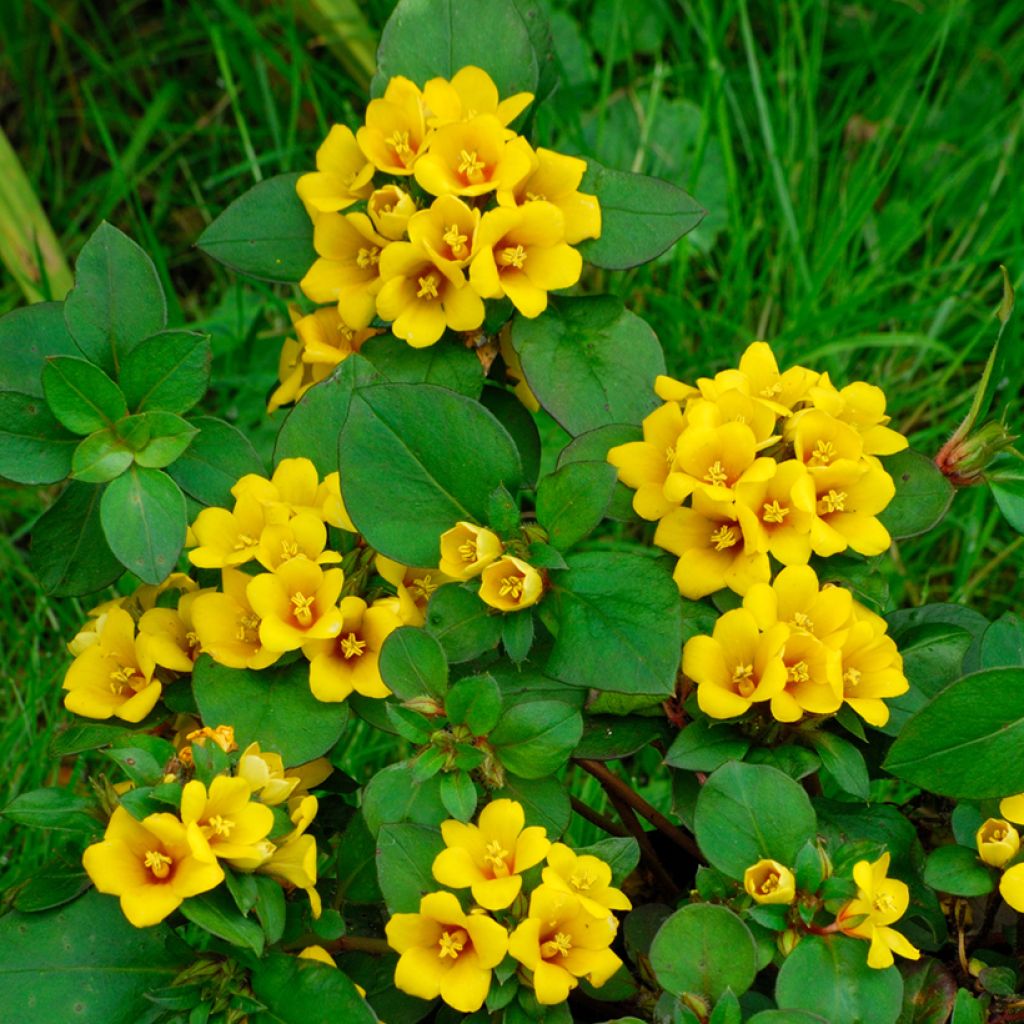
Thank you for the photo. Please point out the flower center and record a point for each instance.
(302, 608)
(456, 241)
(468, 551)
(823, 453)
(742, 676)
(558, 946)
(243, 541)
(399, 142)
(423, 586)
(452, 943)
(368, 257)
(802, 621)
(799, 673)
(851, 677)
(883, 903)
(534, 197)
(192, 639)
(497, 856)
(770, 884)
(511, 586)
(513, 256)
(771, 390)
(670, 456)
(716, 474)
(997, 834)
(125, 679)
(469, 165)
(724, 537)
(221, 826)
(582, 881)
(774, 512)
(159, 864)
(427, 287)
(248, 629)
(289, 550)
(352, 646)
(834, 501)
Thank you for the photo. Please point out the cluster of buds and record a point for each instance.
(507, 583)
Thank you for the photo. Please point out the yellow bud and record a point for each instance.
(768, 881)
(998, 842)
(510, 584)
(467, 549)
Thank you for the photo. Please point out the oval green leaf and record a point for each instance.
(81, 395)
(958, 871)
(27, 337)
(923, 495)
(217, 458)
(168, 371)
(100, 457)
(298, 991)
(572, 500)
(535, 739)
(447, 364)
(34, 448)
(412, 663)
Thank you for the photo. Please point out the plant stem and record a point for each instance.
(596, 818)
(632, 823)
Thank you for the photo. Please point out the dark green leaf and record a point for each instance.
(506, 408)
(298, 991)
(217, 458)
(787, 1017)
(405, 854)
(413, 664)
(27, 337)
(928, 993)
(1003, 642)
(100, 457)
(80, 395)
(459, 795)
(446, 364)
(958, 871)
(394, 795)
(923, 494)
(609, 737)
(593, 446)
(572, 500)
(1008, 490)
(545, 802)
(169, 434)
(168, 371)
(270, 907)
(474, 702)
(34, 448)
(54, 885)
(53, 809)
(517, 633)
(216, 912)
(462, 623)
(703, 746)
(535, 739)
(843, 761)
(969, 1010)
(79, 737)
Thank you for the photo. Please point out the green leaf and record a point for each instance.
(85, 962)
(640, 217)
(787, 1017)
(704, 950)
(535, 739)
(265, 233)
(830, 977)
(412, 663)
(80, 737)
(965, 743)
(462, 623)
(446, 364)
(28, 336)
(593, 446)
(727, 1010)
(405, 854)
(610, 355)
(81, 396)
(474, 702)
(34, 448)
(572, 500)
(545, 802)
(517, 632)
(393, 795)
(968, 1010)
(298, 991)
(426, 39)
(619, 624)
(621, 855)
(703, 746)
(242, 886)
(459, 795)
(100, 457)
(70, 554)
(168, 371)
(746, 812)
(519, 422)
(403, 489)
(609, 737)
(117, 299)
(843, 761)
(1002, 644)
(216, 912)
(958, 871)
(144, 520)
(55, 809)
(53, 885)
(170, 436)
(217, 458)
(1008, 490)
(273, 706)
(923, 495)
(928, 993)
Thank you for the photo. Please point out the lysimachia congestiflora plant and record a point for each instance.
(496, 531)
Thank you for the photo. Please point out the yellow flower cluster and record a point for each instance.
(156, 863)
(801, 648)
(999, 844)
(507, 583)
(426, 245)
(561, 935)
(772, 463)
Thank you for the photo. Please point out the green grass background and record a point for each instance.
(859, 162)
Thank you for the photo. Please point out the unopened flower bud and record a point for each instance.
(768, 881)
(998, 842)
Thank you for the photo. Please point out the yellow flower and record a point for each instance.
(348, 270)
(223, 736)
(390, 208)
(395, 131)
(585, 877)
(413, 586)
(768, 881)
(737, 665)
(445, 952)
(466, 550)
(863, 407)
(555, 178)
(510, 584)
(814, 680)
(350, 660)
(165, 640)
(758, 375)
(303, 536)
(523, 255)
(794, 598)
(331, 504)
(447, 231)
(227, 538)
(422, 298)
(880, 901)
(777, 514)
(342, 177)
(849, 496)
(152, 865)
(668, 389)
(109, 678)
(712, 553)
(872, 669)
(227, 627)
(998, 842)
(1011, 887)
(1012, 808)
(514, 370)
(820, 440)
(472, 157)
(295, 487)
(645, 465)
(714, 460)
(470, 92)
(560, 943)
(489, 857)
(233, 825)
(293, 859)
(264, 773)
(297, 603)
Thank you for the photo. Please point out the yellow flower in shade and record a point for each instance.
(165, 640)
(233, 825)
(737, 665)
(794, 598)
(714, 460)
(152, 865)
(303, 536)
(863, 407)
(227, 627)
(343, 175)
(109, 678)
(390, 208)
(712, 554)
(645, 465)
(777, 514)
(223, 736)
(296, 604)
(523, 255)
(422, 298)
(348, 270)
(814, 680)
(998, 842)
(264, 773)
(414, 588)
(470, 92)
(555, 178)
(395, 131)
(820, 440)
(447, 231)
(350, 660)
(489, 857)
(510, 584)
(880, 902)
(293, 859)
(872, 669)
(227, 538)
(331, 504)
(473, 157)
(849, 496)
(768, 881)
(319, 954)
(587, 878)
(560, 942)
(466, 550)
(446, 952)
